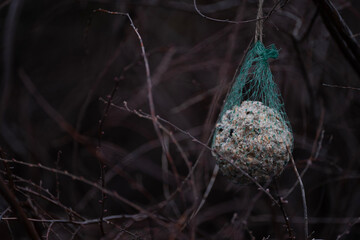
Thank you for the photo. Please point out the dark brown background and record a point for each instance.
(72, 55)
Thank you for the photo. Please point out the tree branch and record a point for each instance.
(14, 203)
(340, 32)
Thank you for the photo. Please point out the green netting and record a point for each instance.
(253, 130)
(255, 81)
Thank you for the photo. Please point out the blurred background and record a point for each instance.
(61, 63)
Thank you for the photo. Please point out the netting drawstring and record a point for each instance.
(259, 22)
(266, 53)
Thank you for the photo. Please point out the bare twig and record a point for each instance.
(249, 208)
(211, 115)
(55, 202)
(347, 230)
(144, 115)
(314, 152)
(99, 151)
(147, 69)
(90, 94)
(285, 215)
(75, 233)
(147, 116)
(4, 212)
(337, 86)
(14, 203)
(49, 230)
(298, 219)
(221, 20)
(273, 9)
(207, 192)
(107, 219)
(111, 193)
(165, 170)
(56, 175)
(341, 33)
(148, 80)
(118, 168)
(306, 221)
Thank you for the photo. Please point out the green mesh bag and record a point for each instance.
(253, 131)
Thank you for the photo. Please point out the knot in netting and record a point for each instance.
(266, 53)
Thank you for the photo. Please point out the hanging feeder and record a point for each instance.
(253, 132)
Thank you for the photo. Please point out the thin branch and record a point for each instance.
(306, 221)
(147, 69)
(340, 32)
(338, 86)
(14, 203)
(57, 203)
(147, 116)
(4, 212)
(285, 215)
(57, 176)
(99, 151)
(148, 77)
(273, 9)
(314, 152)
(222, 20)
(48, 231)
(207, 192)
(75, 233)
(111, 193)
(107, 219)
(347, 230)
(300, 219)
